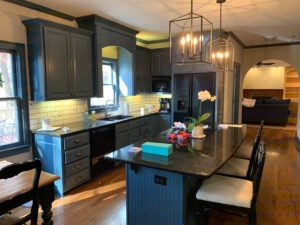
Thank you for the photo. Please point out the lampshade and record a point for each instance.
(190, 38)
(222, 50)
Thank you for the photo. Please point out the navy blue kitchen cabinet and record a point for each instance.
(60, 61)
(142, 73)
(132, 131)
(164, 122)
(160, 62)
(67, 157)
(108, 33)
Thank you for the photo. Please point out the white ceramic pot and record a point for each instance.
(197, 144)
(197, 131)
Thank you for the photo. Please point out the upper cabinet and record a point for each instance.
(142, 70)
(109, 33)
(60, 61)
(160, 62)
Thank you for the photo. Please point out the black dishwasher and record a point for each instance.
(102, 142)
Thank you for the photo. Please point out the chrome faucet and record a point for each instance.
(106, 107)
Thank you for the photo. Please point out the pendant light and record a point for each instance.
(190, 38)
(222, 52)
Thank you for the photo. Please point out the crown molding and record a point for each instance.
(41, 8)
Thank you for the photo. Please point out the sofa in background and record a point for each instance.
(272, 111)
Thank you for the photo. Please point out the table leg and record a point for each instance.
(46, 197)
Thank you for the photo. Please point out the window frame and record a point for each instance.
(102, 108)
(21, 97)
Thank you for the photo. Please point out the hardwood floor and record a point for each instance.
(102, 201)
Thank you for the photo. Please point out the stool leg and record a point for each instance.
(252, 218)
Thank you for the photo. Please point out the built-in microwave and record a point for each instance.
(161, 84)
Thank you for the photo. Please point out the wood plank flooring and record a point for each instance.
(102, 201)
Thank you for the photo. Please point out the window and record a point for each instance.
(110, 86)
(14, 128)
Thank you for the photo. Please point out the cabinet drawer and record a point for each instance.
(76, 140)
(76, 154)
(75, 167)
(122, 140)
(145, 130)
(134, 123)
(145, 121)
(122, 127)
(76, 179)
(134, 135)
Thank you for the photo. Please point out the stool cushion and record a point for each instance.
(226, 190)
(244, 152)
(8, 219)
(235, 167)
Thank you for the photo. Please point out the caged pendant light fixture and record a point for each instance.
(190, 38)
(222, 52)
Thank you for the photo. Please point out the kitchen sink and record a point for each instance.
(115, 118)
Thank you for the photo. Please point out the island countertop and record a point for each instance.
(199, 157)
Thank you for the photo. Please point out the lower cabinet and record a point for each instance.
(132, 131)
(67, 157)
(164, 121)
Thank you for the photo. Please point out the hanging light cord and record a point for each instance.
(220, 19)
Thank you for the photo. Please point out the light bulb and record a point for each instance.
(201, 38)
(213, 55)
(226, 54)
(182, 40)
(188, 38)
(195, 41)
(218, 55)
(221, 55)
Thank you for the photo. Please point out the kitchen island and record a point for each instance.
(160, 188)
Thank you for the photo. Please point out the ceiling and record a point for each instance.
(252, 21)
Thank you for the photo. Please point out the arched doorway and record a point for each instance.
(275, 86)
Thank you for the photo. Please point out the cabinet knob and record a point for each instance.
(78, 178)
(78, 154)
(77, 141)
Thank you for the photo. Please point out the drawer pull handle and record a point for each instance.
(78, 178)
(77, 141)
(76, 168)
(78, 154)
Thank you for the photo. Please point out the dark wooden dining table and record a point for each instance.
(18, 184)
(159, 189)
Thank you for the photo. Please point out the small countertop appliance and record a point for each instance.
(165, 105)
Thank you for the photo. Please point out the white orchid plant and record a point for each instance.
(202, 96)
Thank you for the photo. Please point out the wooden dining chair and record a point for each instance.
(232, 195)
(241, 168)
(245, 151)
(23, 196)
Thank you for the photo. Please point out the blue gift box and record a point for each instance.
(157, 148)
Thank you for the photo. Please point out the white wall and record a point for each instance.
(289, 54)
(264, 78)
(13, 30)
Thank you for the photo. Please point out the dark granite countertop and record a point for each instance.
(81, 126)
(200, 157)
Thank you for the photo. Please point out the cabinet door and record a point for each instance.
(81, 46)
(164, 122)
(142, 79)
(58, 63)
(160, 62)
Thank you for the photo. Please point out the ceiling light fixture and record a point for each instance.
(222, 53)
(190, 38)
